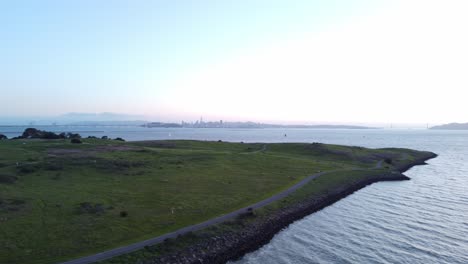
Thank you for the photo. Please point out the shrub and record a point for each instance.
(119, 139)
(123, 214)
(3, 137)
(48, 135)
(388, 161)
(76, 141)
(30, 133)
(9, 179)
(247, 214)
(17, 201)
(53, 167)
(104, 137)
(89, 208)
(36, 133)
(27, 168)
(57, 176)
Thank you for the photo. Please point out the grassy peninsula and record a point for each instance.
(61, 200)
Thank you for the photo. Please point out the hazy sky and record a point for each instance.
(298, 61)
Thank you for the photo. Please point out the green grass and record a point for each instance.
(59, 201)
(315, 189)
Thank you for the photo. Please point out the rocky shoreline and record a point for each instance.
(233, 245)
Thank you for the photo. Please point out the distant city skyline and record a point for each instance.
(341, 62)
(108, 118)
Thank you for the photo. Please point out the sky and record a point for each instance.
(304, 61)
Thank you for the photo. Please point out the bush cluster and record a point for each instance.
(41, 134)
(36, 133)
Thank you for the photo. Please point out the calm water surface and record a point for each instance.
(424, 220)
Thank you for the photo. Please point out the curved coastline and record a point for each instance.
(234, 245)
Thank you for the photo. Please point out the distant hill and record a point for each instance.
(221, 124)
(336, 127)
(88, 117)
(106, 119)
(452, 126)
(109, 123)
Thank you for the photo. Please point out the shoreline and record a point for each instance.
(234, 245)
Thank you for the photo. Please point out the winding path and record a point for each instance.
(139, 245)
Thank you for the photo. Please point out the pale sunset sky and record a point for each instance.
(340, 61)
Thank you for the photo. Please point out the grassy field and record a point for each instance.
(59, 200)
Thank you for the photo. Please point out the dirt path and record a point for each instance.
(139, 245)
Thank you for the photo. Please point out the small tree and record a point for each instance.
(76, 141)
